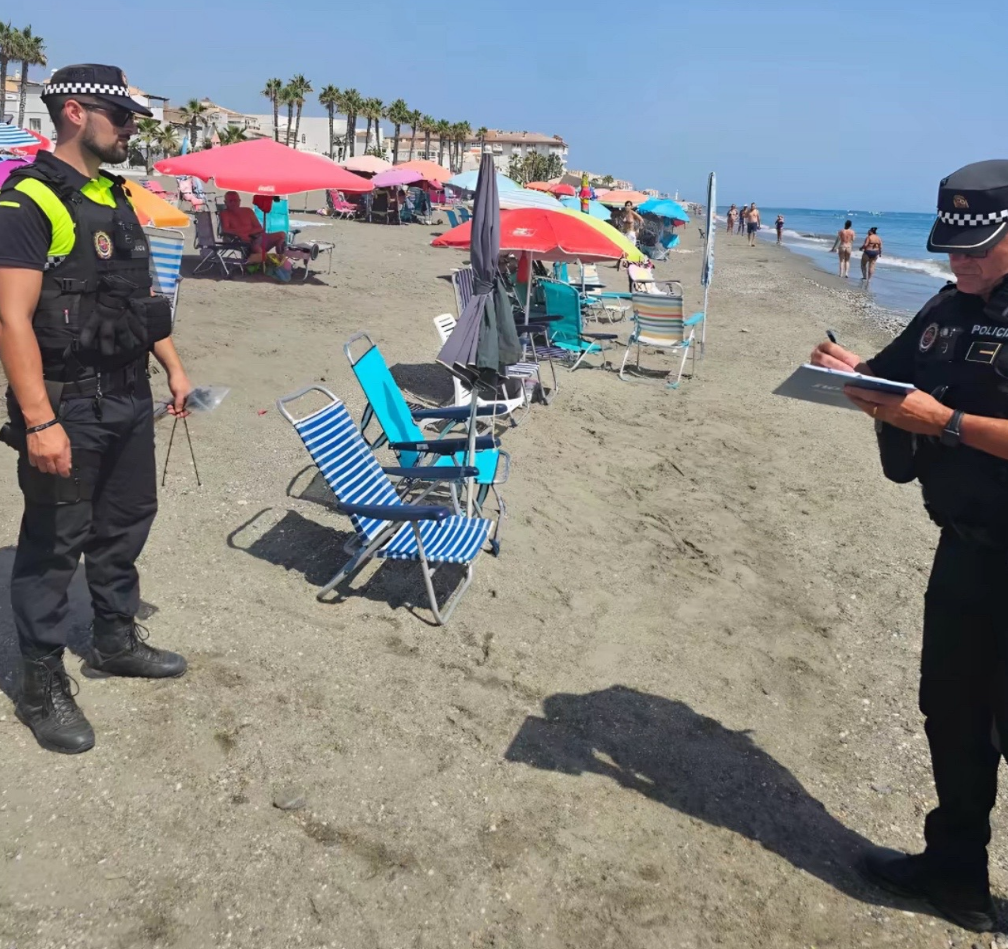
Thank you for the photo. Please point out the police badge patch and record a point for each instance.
(928, 337)
(103, 245)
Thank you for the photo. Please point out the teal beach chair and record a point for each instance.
(412, 447)
(386, 526)
(567, 332)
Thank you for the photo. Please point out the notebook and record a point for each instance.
(825, 386)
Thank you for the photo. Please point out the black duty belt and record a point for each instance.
(110, 382)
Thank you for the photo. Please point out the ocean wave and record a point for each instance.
(933, 268)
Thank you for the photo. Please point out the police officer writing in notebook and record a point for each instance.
(77, 322)
(951, 434)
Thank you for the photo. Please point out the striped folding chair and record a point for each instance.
(658, 322)
(386, 526)
(166, 262)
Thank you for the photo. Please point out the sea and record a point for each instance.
(906, 274)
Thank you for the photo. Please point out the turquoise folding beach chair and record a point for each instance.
(464, 214)
(452, 219)
(568, 332)
(386, 526)
(412, 447)
(166, 262)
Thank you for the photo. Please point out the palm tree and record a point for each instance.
(352, 104)
(481, 134)
(287, 99)
(232, 134)
(608, 181)
(463, 131)
(271, 91)
(194, 114)
(8, 51)
(414, 123)
(31, 52)
(398, 114)
(427, 125)
(167, 141)
(148, 134)
(443, 129)
(330, 98)
(300, 88)
(373, 109)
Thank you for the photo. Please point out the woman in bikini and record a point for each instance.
(844, 245)
(871, 250)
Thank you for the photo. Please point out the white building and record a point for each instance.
(313, 133)
(37, 118)
(502, 145)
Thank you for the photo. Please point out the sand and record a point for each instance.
(668, 715)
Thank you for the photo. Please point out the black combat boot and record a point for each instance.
(120, 650)
(965, 903)
(48, 708)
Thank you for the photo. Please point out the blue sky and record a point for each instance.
(800, 103)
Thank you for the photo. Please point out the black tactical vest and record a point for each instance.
(962, 359)
(107, 242)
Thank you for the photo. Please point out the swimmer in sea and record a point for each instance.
(844, 246)
(871, 250)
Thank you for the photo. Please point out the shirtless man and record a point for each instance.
(752, 221)
(241, 222)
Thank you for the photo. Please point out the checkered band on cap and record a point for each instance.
(84, 88)
(972, 220)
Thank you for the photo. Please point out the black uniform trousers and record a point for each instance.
(964, 698)
(115, 453)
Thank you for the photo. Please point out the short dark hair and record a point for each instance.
(872, 230)
(846, 224)
(54, 106)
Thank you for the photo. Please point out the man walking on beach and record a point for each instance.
(955, 351)
(752, 221)
(77, 324)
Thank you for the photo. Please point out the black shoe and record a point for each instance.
(120, 650)
(970, 907)
(47, 707)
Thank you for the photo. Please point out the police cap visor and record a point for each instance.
(972, 209)
(105, 84)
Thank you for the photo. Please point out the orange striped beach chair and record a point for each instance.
(658, 323)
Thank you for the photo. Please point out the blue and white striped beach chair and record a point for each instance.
(166, 262)
(386, 526)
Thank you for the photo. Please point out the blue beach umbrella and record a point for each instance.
(13, 137)
(595, 208)
(666, 208)
(467, 182)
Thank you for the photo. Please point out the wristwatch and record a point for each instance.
(951, 435)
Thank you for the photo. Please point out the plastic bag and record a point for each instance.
(201, 399)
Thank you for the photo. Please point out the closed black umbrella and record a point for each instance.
(484, 341)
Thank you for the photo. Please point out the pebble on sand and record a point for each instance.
(289, 798)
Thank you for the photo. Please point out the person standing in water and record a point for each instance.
(844, 247)
(871, 250)
(779, 224)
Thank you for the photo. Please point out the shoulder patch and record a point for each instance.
(928, 337)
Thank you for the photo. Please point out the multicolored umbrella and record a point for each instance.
(262, 166)
(21, 141)
(630, 250)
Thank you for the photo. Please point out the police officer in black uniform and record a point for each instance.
(951, 434)
(78, 322)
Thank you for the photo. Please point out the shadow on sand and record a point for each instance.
(664, 750)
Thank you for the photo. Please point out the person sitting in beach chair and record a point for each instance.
(242, 223)
(187, 192)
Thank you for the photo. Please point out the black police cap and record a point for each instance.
(972, 208)
(106, 83)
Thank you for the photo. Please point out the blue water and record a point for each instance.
(906, 274)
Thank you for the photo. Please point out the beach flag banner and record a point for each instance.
(707, 273)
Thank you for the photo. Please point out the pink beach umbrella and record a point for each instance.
(396, 178)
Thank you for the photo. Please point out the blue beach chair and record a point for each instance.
(452, 219)
(464, 214)
(567, 333)
(386, 526)
(415, 449)
(165, 262)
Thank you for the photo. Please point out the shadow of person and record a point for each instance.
(664, 750)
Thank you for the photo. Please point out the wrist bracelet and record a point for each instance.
(38, 428)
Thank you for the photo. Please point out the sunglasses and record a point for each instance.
(965, 252)
(117, 115)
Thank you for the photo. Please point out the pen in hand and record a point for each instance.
(831, 336)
